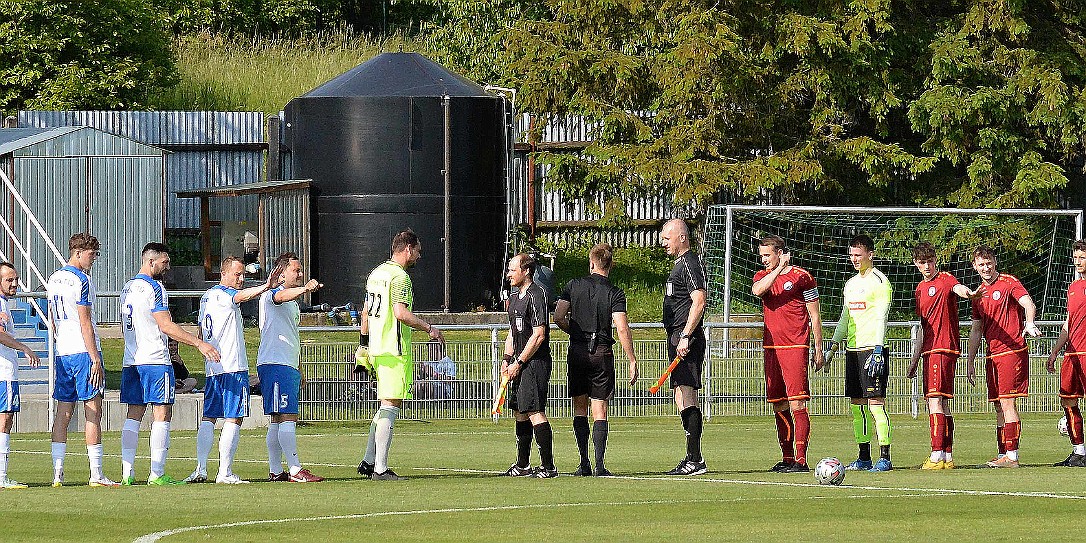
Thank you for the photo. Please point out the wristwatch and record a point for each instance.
(686, 336)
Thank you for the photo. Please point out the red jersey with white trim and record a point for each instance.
(937, 307)
(784, 308)
(1076, 317)
(1001, 315)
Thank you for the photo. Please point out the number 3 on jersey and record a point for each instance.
(375, 304)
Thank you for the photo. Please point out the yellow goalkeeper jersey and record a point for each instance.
(866, 306)
(388, 285)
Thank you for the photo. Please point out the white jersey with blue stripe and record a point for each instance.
(9, 358)
(68, 289)
(144, 342)
(279, 339)
(221, 326)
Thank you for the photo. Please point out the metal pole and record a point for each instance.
(448, 205)
(1078, 225)
(728, 227)
(495, 368)
(907, 210)
(916, 387)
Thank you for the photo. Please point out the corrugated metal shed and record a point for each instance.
(81, 179)
(207, 149)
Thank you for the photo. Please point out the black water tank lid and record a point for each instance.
(398, 74)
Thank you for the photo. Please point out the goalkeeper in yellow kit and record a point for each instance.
(384, 347)
(863, 328)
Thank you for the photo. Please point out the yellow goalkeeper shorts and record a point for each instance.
(394, 377)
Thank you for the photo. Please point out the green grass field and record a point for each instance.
(454, 493)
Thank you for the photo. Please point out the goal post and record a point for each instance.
(1033, 244)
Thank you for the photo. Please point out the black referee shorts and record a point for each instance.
(860, 385)
(528, 392)
(591, 373)
(688, 372)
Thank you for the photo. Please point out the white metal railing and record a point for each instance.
(733, 376)
(23, 249)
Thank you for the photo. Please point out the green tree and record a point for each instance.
(107, 54)
(964, 102)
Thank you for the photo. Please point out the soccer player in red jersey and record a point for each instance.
(791, 317)
(1073, 369)
(1003, 313)
(939, 343)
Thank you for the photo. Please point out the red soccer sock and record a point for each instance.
(785, 436)
(948, 441)
(937, 421)
(1074, 424)
(803, 434)
(999, 440)
(1012, 432)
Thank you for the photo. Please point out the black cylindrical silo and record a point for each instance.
(374, 142)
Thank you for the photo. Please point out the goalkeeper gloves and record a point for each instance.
(829, 353)
(362, 355)
(876, 362)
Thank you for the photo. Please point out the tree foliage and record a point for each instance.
(964, 102)
(107, 54)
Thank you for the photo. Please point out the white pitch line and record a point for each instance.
(153, 537)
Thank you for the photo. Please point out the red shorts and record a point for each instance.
(786, 374)
(939, 374)
(1073, 375)
(1008, 375)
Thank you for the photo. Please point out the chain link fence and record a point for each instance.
(733, 378)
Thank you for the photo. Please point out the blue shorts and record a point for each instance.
(9, 396)
(226, 396)
(147, 383)
(279, 385)
(73, 378)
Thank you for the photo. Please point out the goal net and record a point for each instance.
(1033, 245)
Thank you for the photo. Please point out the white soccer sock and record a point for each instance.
(370, 454)
(288, 440)
(94, 457)
(130, 438)
(58, 450)
(947, 457)
(275, 452)
(5, 448)
(205, 437)
(228, 444)
(1013, 455)
(936, 456)
(160, 446)
(386, 416)
(1080, 449)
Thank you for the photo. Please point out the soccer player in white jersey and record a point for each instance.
(226, 393)
(9, 368)
(277, 366)
(147, 377)
(78, 372)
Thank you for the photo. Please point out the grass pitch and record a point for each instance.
(454, 493)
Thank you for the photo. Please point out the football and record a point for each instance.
(829, 471)
(1062, 425)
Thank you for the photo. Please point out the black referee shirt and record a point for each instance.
(686, 277)
(525, 313)
(592, 299)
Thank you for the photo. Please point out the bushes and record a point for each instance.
(107, 54)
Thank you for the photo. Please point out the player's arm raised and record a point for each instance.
(762, 285)
(963, 292)
(247, 294)
(622, 328)
(172, 329)
(86, 329)
(1031, 315)
(293, 293)
(1060, 342)
(975, 333)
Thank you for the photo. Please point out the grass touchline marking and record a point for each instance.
(153, 537)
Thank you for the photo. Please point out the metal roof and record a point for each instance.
(17, 138)
(263, 187)
(398, 74)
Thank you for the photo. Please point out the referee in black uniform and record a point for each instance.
(586, 310)
(684, 304)
(528, 364)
